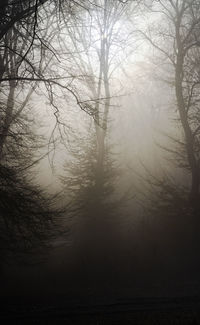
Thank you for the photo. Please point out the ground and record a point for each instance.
(176, 310)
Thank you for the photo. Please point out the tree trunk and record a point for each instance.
(8, 117)
(192, 160)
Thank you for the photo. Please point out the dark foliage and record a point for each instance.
(27, 216)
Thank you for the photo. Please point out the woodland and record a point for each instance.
(100, 147)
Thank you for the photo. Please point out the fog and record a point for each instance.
(99, 149)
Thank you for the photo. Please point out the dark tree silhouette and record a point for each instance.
(27, 213)
(178, 42)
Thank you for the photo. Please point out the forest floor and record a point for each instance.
(176, 310)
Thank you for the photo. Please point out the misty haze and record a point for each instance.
(100, 161)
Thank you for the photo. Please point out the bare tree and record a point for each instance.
(97, 41)
(27, 214)
(178, 41)
(26, 11)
